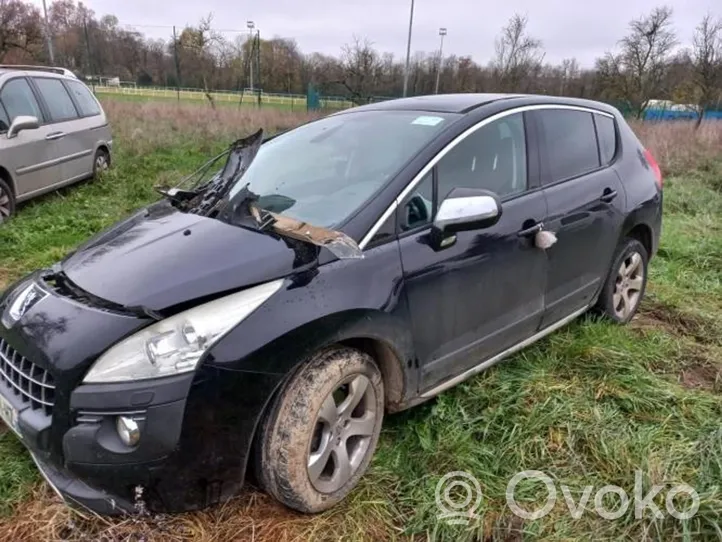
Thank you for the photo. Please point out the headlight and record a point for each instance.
(176, 344)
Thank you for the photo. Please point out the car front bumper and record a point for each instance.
(196, 429)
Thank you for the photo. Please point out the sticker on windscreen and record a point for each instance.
(427, 121)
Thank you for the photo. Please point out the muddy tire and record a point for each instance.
(317, 439)
(624, 289)
(101, 163)
(7, 201)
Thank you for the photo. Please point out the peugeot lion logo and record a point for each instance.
(25, 301)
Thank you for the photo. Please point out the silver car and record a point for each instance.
(53, 132)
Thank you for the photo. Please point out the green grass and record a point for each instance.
(587, 406)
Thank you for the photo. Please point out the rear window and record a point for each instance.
(607, 135)
(571, 143)
(84, 98)
(57, 98)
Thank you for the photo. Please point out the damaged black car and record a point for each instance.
(260, 319)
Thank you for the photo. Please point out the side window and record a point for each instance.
(607, 135)
(570, 141)
(57, 98)
(84, 98)
(18, 99)
(492, 158)
(418, 208)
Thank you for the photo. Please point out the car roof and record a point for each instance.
(35, 70)
(439, 103)
(465, 103)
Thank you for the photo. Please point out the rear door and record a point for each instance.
(481, 291)
(94, 129)
(31, 156)
(68, 128)
(586, 203)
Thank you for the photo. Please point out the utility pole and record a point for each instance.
(177, 64)
(442, 33)
(408, 50)
(48, 37)
(251, 25)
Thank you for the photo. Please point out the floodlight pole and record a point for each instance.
(48, 37)
(442, 33)
(251, 25)
(408, 49)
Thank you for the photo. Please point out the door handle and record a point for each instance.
(608, 195)
(531, 230)
(54, 135)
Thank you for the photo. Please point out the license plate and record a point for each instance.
(8, 414)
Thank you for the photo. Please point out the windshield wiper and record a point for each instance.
(207, 199)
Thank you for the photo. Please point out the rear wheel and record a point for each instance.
(318, 438)
(624, 289)
(101, 162)
(7, 201)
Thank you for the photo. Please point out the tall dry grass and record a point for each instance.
(678, 146)
(144, 127)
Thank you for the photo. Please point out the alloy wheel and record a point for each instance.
(101, 162)
(628, 286)
(342, 433)
(5, 205)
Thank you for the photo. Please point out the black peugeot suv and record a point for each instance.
(263, 316)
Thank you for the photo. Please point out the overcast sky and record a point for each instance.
(567, 28)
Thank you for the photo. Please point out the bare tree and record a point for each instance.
(636, 74)
(360, 66)
(518, 56)
(20, 30)
(707, 63)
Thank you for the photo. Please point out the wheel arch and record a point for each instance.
(643, 233)
(5, 176)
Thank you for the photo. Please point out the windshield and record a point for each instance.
(322, 172)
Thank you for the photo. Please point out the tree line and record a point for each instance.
(649, 62)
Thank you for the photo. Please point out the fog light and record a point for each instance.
(128, 430)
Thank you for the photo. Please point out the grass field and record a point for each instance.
(587, 406)
(227, 99)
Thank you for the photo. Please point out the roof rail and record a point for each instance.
(61, 71)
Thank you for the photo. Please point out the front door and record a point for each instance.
(482, 291)
(586, 201)
(32, 155)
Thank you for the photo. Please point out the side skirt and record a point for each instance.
(497, 358)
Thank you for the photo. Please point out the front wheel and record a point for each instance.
(624, 289)
(7, 202)
(318, 438)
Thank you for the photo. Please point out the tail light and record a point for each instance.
(655, 168)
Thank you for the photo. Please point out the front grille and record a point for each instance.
(33, 384)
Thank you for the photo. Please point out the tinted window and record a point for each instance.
(607, 138)
(571, 142)
(418, 209)
(84, 98)
(493, 158)
(4, 120)
(324, 171)
(57, 98)
(18, 99)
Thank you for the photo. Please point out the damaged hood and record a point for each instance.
(162, 257)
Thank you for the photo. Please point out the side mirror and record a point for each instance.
(467, 209)
(22, 122)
